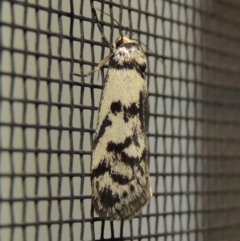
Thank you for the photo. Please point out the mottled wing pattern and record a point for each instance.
(120, 176)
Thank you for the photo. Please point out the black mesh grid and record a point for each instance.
(48, 117)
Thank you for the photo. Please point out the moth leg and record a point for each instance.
(100, 65)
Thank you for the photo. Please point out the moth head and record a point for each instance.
(120, 41)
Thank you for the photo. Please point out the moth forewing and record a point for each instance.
(120, 175)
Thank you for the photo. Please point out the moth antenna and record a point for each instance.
(120, 30)
(104, 39)
(100, 66)
(120, 26)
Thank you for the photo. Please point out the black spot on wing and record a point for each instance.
(130, 112)
(135, 137)
(120, 179)
(101, 169)
(119, 147)
(116, 107)
(97, 185)
(108, 198)
(129, 160)
(125, 194)
(133, 109)
(144, 155)
(106, 123)
(140, 169)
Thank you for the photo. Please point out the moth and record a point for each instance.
(120, 175)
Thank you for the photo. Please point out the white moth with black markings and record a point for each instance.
(120, 175)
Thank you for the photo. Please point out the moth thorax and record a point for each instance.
(123, 40)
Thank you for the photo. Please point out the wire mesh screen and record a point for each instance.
(48, 118)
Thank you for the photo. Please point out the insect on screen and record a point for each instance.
(48, 118)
